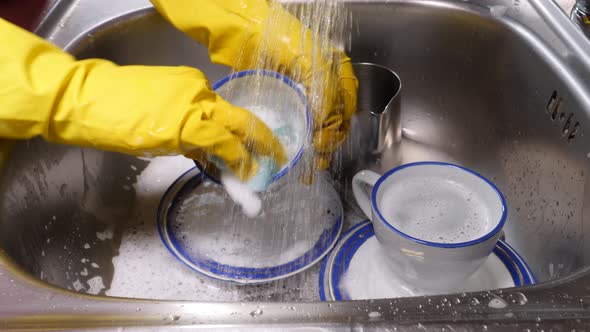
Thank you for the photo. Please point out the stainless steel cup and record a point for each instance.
(376, 125)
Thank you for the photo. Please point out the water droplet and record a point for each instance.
(374, 314)
(497, 303)
(172, 317)
(256, 313)
(518, 298)
(474, 301)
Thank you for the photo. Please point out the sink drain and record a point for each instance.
(570, 128)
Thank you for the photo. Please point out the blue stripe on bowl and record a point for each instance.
(348, 245)
(228, 272)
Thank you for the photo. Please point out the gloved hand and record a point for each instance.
(138, 110)
(235, 30)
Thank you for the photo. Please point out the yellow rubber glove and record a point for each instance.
(234, 30)
(139, 110)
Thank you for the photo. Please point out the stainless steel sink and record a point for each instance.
(502, 87)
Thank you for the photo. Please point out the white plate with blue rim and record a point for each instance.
(205, 230)
(354, 270)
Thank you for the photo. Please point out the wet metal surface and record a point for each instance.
(502, 87)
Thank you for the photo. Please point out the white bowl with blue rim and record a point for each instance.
(356, 270)
(205, 230)
(436, 222)
(282, 105)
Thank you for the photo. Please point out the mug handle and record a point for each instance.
(360, 194)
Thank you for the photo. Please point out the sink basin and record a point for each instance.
(488, 86)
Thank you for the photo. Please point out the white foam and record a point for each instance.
(241, 194)
(78, 286)
(95, 285)
(435, 209)
(233, 253)
(207, 224)
(107, 234)
(143, 267)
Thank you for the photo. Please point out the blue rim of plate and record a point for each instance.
(290, 83)
(437, 244)
(190, 180)
(342, 254)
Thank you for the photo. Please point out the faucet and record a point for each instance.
(580, 15)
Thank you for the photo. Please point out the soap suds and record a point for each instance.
(436, 209)
(95, 284)
(107, 234)
(144, 268)
(242, 194)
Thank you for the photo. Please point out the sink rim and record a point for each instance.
(124, 311)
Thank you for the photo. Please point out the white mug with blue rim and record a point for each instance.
(437, 222)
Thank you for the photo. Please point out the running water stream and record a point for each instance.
(313, 65)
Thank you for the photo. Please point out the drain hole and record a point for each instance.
(566, 126)
(556, 108)
(574, 132)
(551, 102)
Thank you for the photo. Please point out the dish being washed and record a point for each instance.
(204, 229)
(281, 104)
(354, 270)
